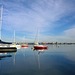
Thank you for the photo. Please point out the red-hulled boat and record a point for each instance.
(37, 46)
(40, 47)
(24, 45)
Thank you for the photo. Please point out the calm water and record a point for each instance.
(54, 61)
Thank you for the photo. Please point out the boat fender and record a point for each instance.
(15, 45)
(32, 48)
(58, 46)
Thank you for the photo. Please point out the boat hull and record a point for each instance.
(24, 46)
(40, 47)
(8, 49)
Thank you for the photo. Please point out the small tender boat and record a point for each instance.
(14, 45)
(24, 45)
(18, 46)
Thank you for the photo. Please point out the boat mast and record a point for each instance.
(38, 35)
(14, 36)
(24, 38)
(1, 20)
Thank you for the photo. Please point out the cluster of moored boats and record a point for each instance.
(14, 47)
(10, 47)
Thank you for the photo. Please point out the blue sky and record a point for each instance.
(55, 20)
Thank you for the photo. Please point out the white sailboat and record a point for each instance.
(17, 45)
(14, 44)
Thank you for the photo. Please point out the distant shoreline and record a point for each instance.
(49, 43)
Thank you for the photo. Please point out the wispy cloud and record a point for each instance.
(47, 15)
(66, 36)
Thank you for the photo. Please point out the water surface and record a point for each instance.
(53, 61)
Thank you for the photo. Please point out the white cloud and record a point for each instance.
(70, 32)
(40, 13)
(66, 36)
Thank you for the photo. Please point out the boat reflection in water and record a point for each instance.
(39, 51)
(5, 54)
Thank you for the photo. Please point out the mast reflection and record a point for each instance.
(39, 51)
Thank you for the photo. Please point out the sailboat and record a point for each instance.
(14, 44)
(4, 46)
(38, 46)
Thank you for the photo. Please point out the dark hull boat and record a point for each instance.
(8, 49)
(4, 46)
